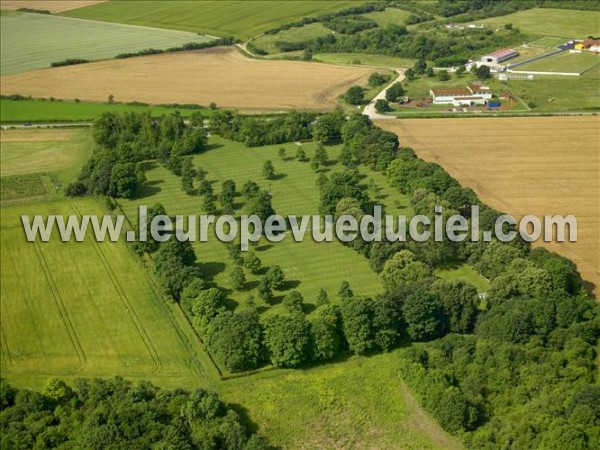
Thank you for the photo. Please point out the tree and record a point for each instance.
(260, 205)
(123, 180)
(235, 254)
(265, 290)
(344, 292)
(301, 154)
(459, 302)
(483, 72)
(382, 105)
(321, 155)
(394, 92)
(403, 269)
(307, 55)
(252, 262)
(496, 257)
(237, 278)
(410, 74)
(287, 339)
(429, 72)
(461, 69)
(326, 339)
(268, 170)
(207, 305)
(327, 128)
(227, 195)
(281, 152)
(250, 189)
(293, 301)
(275, 277)
(235, 340)
(423, 315)
(355, 95)
(443, 75)
(314, 164)
(322, 298)
(377, 79)
(357, 320)
(209, 203)
(420, 66)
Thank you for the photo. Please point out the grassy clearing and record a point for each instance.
(34, 41)
(356, 403)
(464, 272)
(565, 23)
(308, 266)
(240, 19)
(84, 309)
(18, 111)
(529, 52)
(366, 59)
(389, 16)
(297, 34)
(564, 62)
(60, 151)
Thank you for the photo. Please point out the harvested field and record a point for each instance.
(49, 5)
(541, 165)
(220, 75)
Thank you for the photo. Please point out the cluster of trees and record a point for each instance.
(254, 132)
(124, 141)
(445, 47)
(69, 62)
(526, 375)
(350, 24)
(115, 413)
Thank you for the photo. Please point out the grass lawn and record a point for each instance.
(357, 403)
(389, 16)
(219, 18)
(84, 309)
(529, 52)
(556, 93)
(464, 272)
(564, 62)
(18, 111)
(547, 42)
(565, 23)
(297, 34)
(308, 266)
(34, 41)
(366, 59)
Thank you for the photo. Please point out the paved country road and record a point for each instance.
(370, 110)
(26, 125)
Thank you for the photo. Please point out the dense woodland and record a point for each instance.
(524, 355)
(117, 414)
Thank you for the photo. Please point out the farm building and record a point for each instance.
(593, 45)
(474, 94)
(499, 55)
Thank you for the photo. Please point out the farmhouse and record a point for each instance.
(474, 94)
(499, 56)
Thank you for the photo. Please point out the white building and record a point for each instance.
(474, 94)
(499, 56)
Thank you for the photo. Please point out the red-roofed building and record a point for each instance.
(500, 55)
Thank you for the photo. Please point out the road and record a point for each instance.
(6, 126)
(370, 110)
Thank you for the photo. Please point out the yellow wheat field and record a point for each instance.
(534, 165)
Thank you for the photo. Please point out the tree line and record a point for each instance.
(119, 414)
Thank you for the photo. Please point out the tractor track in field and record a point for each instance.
(60, 304)
(156, 361)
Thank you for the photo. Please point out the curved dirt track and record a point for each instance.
(220, 75)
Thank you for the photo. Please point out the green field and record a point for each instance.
(267, 42)
(356, 403)
(219, 18)
(464, 272)
(565, 23)
(84, 309)
(389, 16)
(33, 41)
(308, 266)
(18, 111)
(547, 42)
(564, 62)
